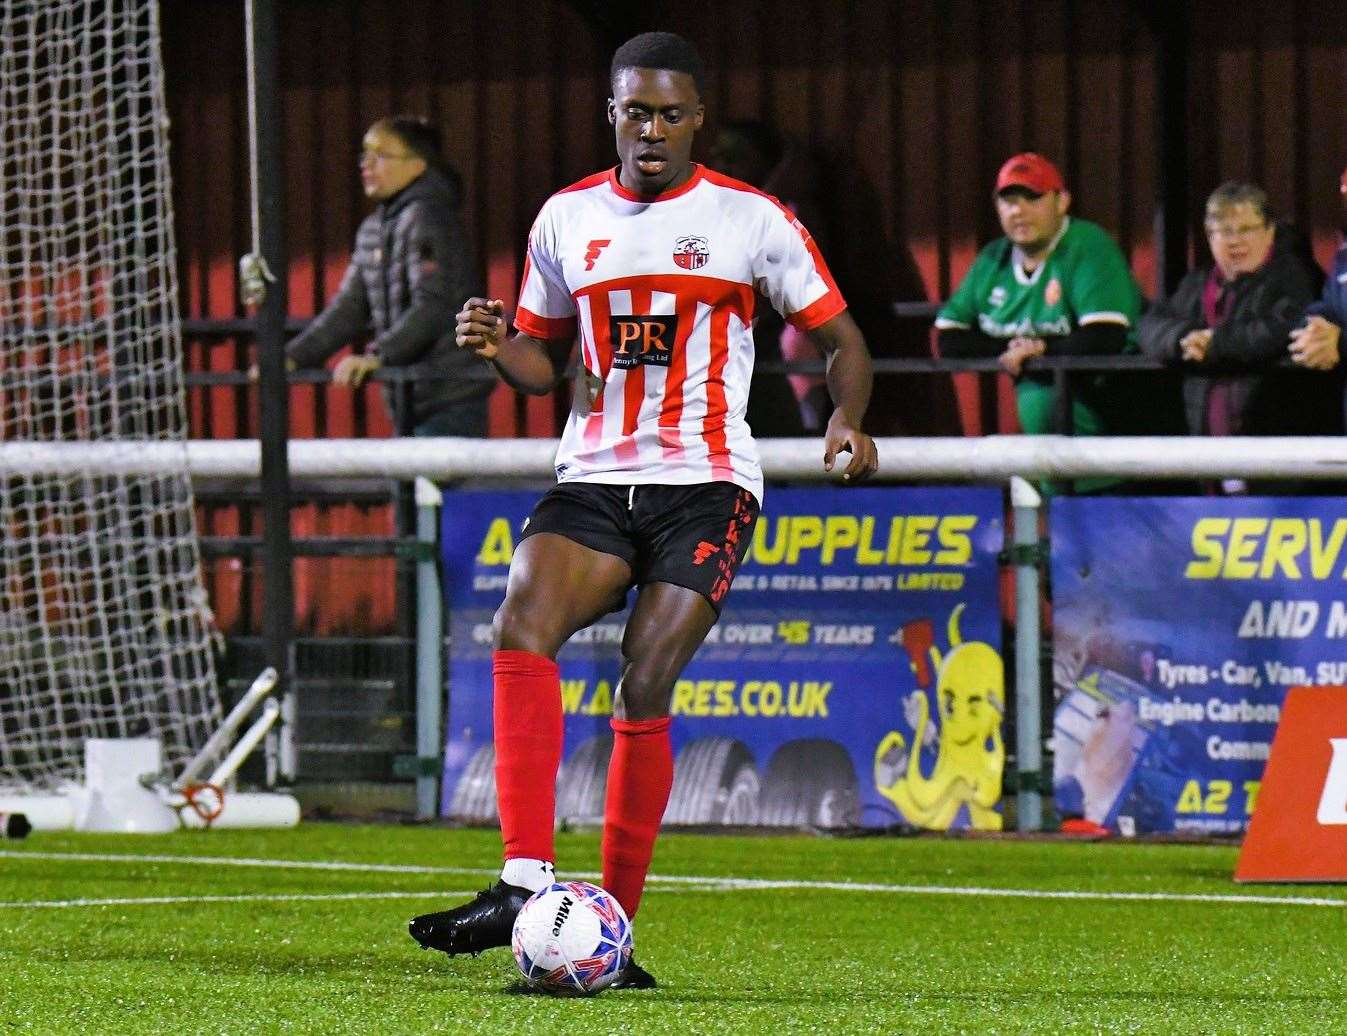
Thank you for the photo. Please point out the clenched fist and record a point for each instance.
(480, 326)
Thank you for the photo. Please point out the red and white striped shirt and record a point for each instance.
(660, 293)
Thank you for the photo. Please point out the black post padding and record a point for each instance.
(277, 582)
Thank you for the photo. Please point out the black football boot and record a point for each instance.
(634, 977)
(484, 923)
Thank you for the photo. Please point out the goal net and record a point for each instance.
(104, 626)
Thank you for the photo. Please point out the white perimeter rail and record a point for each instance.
(989, 458)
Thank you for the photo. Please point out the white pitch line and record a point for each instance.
(245, 861)
(724, 885)
(738, 884)
(260, 898)
(700, 883)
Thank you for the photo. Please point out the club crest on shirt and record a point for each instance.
(1052, 294)
(997, 296)
(691, 252)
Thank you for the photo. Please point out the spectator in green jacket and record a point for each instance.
(1053, 285)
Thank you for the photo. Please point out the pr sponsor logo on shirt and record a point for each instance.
(691, 252)
(1052, 294)
(642, 340)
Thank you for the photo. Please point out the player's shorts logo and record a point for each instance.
(691, 253)
(641, 340)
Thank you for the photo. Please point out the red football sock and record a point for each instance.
(640, 777)
(528, 751)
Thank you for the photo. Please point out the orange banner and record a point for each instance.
(1298, 831)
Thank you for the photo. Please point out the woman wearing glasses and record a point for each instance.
(1229, 321)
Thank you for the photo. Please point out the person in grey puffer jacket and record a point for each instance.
(411, 266)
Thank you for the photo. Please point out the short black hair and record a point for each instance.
(420, 135)
(423, 139)
(664, 50)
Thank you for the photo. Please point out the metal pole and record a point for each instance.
(429, 652)
(1028, 736)
(1063, 417)
(1171, 22)
(277, 589)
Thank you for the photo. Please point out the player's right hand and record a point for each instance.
(480, 326)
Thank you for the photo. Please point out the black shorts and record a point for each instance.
(693, 536)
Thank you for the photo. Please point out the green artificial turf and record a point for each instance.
(730, 959)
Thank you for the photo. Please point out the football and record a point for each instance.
(571, 938)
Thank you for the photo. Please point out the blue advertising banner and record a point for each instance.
(854, 679)
(1178, 626)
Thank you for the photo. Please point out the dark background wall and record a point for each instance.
(909, 108)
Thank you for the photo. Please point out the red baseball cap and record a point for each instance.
(1031, 171)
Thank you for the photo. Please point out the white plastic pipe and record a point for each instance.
(44, 812)
(260, 688)
(249, 809)
(271, 712)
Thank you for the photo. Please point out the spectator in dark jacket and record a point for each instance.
(1316, 343)
(411, 265)
(1227, 325)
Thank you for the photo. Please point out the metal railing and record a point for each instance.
(1063, 369)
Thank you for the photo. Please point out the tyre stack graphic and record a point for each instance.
(809, 783)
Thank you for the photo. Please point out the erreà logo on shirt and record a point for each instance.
(691, 252)
(642, 340)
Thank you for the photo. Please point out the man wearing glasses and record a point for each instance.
(411, 265)
(1228, 323)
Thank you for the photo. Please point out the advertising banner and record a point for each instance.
(854, 679)
(1178, 626)
(1299, 831)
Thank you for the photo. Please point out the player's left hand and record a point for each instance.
(353, 370)
(841, 437)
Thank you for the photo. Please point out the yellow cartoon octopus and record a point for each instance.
(970, 692)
